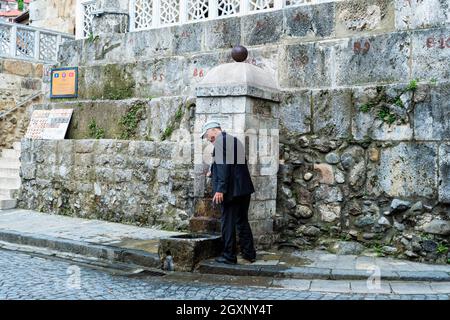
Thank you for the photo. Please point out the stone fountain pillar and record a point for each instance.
(245, 100)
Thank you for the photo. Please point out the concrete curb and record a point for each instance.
(213, 267)
(103, 252)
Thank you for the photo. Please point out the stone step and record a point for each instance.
(17, 146)
(6, 204)
(9, 172)
(10, 154)
(10, 183)
(9, 163)
(7, 193)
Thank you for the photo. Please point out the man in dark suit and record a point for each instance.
(232, 187)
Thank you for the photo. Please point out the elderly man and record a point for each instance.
(232, 187)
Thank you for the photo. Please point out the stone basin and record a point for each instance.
(184, 252)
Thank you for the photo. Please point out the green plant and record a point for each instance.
(91, 38)
(386, 116)
(20, 5)
(412, 86)
(378, 249)
(167, 133)
(399, 103)
(345, 237)
(94, 131)
(179, 114)
(366, 107)
(441, 248)
(129, 122)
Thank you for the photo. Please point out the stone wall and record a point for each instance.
(58, 15)
(364, 114)
(18, 80)
(152, 119)
(348, 173)
(136, 182)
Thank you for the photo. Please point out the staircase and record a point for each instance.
(9, 176)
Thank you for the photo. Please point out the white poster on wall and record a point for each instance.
(49, 124)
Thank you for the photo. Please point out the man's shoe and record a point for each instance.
(225, 260)
(251, 260)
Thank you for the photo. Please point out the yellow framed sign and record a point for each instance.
(64, 83)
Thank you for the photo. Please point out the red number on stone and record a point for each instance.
(366, 47)
(155, 76)
(441, 43)
(430, 42)
(357, 47)
(201, 73)
(195, 72)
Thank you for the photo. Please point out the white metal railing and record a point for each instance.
(20, 41)
(150, 14)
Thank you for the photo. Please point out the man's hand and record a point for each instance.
(218, 198)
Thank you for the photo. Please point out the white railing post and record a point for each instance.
(156, 20)
(37, 44)
(132, 14)
(244, 7)
(58, 43)
(183, 11)
(278, 4)
(213, 9)
(13, 41)
(79, 20)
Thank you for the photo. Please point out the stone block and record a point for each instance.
(309, 22)
(305, 66)
(328, 194)
(222, 33)
(367, 124)
(262, 28)
(295, 111)
(261, 227)
(329, 212)
(187, 38)
(444, 173)
(430, 54)
(421, 14)
(373, 59)
(265, 188)
(149, 43)
(325, 171)
(332, 113)
(188, 250)
(364, 16)
(432, 116)
(405, 170)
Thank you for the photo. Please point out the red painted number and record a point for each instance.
(440, 43)
(361, 47)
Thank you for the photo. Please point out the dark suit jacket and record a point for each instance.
(230, 174)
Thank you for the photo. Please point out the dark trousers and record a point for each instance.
(235, 216)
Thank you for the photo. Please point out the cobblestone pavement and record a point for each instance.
(28, 277)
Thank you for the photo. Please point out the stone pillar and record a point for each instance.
(245, 100)
(111, 16)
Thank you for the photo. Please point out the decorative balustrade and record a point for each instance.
(20, 41)
(149, 14)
